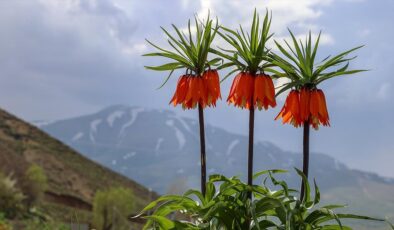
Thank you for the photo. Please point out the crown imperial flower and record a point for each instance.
(249, 91)
(192, 90)
(305, 105)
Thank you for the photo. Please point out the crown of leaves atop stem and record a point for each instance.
(249, 52)
(298, 64)
(190, 50)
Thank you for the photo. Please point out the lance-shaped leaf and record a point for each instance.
(248, 50)
(189, 49)
(298, 63)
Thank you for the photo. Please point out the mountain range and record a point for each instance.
(158, 147)
(160, 150)
(73, 179)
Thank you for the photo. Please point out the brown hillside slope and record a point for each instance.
(72, 178)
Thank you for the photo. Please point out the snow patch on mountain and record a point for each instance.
(93, 128)
(77, 136)
(231, 146)
(133, 114)
(113, 116)
(179, 135)
(94, 124)
(184, 124)
(158, 143)
(129, 155)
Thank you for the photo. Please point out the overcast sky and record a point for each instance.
(63, 58)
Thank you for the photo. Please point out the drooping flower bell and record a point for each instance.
(193, 90)
(290, 112)
(212, 84)
(181, 90)
(305, 105)
(196, 93)
(241, 90)
(318, 109)
(247, 90)
(264, 92)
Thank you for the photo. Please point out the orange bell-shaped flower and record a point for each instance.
(305, 105)
(290, 112)
(212, 85)
(318, 109)
(190, 92)
(250, 90)
(181, 90)
(264, 92)
(241, 92)
(196, 93)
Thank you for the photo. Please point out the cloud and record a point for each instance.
(65, 52)
(61, 58)
(285, 11)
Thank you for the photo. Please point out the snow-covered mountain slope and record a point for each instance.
(158, 149)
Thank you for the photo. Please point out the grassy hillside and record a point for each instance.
(72, 178)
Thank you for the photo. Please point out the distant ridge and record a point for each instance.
(73, 179)
(160, 150)
(134, 140)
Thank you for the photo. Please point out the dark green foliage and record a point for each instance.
(35, 184)
(4, 225)
(11, 197)
(111, 208)
(35, 224)
(226, 206)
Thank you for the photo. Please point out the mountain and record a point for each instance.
(72, 178)
(161, 151)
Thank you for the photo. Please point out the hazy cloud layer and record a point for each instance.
(60, 58)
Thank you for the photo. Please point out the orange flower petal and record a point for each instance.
(304, 104)
(181, 90)
(242, 90)
(212, 85)
(323, 112)
(314, 104)
(290, 110)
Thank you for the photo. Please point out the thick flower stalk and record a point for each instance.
(305, 105)
(200, 86)
(251, 87)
